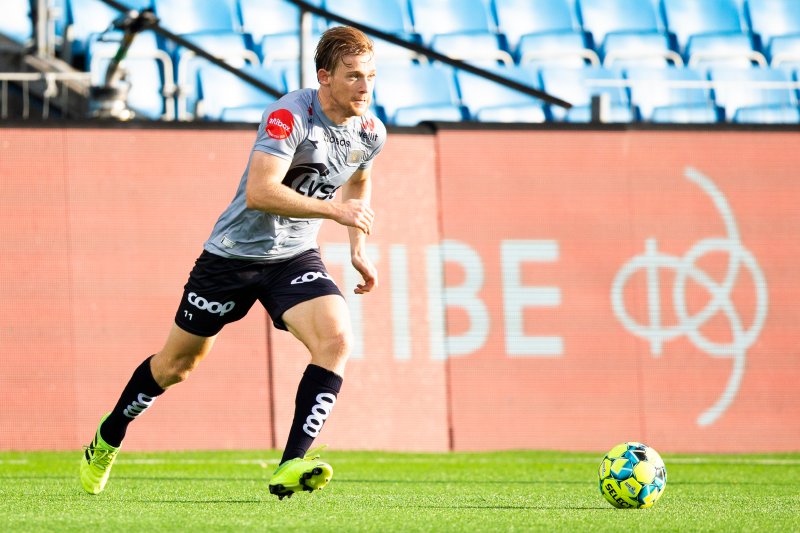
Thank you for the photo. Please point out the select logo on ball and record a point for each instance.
(280, 124)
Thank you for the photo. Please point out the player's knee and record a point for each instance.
(337, 346)
(175, 370)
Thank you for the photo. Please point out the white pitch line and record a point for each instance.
(669, 460)
(732, 461)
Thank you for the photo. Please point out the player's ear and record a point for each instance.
(323, 77)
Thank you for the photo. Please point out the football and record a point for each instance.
(632, 476)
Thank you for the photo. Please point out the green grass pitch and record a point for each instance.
(372, 491)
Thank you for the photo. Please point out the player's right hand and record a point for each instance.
(356, 213)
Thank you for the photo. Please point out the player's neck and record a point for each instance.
(328, 106)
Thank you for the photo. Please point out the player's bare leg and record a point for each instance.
(181, 354)
(323, 325)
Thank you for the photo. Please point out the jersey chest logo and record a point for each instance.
(307, 179)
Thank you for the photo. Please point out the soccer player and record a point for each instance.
(263, 247)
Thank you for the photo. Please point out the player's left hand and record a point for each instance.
(367, 271)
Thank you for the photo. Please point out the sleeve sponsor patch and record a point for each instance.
(280, 124)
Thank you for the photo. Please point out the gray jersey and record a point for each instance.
(323, 157)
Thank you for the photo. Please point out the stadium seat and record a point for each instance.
(732, 50)
(88, 17)
(262, 18)
(639, 49)
(658, 98)
(290, 71)
(566, 49)
(688, 18)
(407, 95)
(516, 18)
(785, 52)
(228, 46)
(281, 53)
(744, 94)
(190, 16)
(16, 23)
(436, 17)
(488, 101)
(603, 17)
(223, 96)
(480, 48)
(279, 47)
(773, 19)
(578, 85)
(386, 15)
(148, 69)
(390, 16)
(767, 115)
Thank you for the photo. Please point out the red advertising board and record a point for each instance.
(538, 289)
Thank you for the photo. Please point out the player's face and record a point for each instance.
(350, 86)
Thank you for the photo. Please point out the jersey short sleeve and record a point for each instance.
(283, 127)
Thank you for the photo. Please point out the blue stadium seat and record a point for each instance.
(262, 18)
(279, 47)
(688, 18)
(230, 47)
(566, 49)
(658, 101)
(390, 16)
(290, 71)
(88, 17)
(407, 95)
(603, 17)
(767, 115)
(16, 23)
(736, 93)
(281, 53)
(191, 16)
(478, 48)
(435, 17)
(575, 85)
(639, 49)
(223, 96)
(516, 18)
(773, 19)
(487, 101)
(785, 52)
(732, 50)
(149, 72)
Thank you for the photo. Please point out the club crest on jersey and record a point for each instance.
(355, 156)
(280, 124)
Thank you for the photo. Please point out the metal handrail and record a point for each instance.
(51, 80)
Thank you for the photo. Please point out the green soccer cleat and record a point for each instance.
(307, 473)
(96, 462)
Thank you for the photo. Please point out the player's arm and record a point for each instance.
(266, 192)
(359, 188)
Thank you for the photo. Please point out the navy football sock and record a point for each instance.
(139, 394)
(316, 395)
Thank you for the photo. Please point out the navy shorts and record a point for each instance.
(221, 290)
